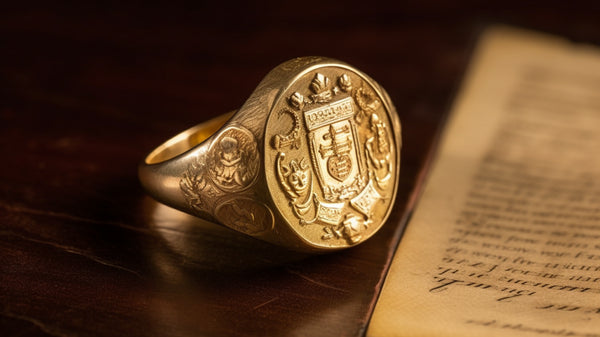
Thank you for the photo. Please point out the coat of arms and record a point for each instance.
(335, 149)
(344, 167)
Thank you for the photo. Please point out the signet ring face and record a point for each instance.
(310, 162)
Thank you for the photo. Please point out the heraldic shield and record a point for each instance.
(333, 140)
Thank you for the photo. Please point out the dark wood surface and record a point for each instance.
(87, 90)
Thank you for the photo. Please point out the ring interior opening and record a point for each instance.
(187, 139)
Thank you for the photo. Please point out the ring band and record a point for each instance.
(310, 161)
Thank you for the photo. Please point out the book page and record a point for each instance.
(505, 240)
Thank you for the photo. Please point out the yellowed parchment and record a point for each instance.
(505, 240)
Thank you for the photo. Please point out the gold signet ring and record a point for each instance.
(310, 161)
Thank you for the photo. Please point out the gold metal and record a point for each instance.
(310, 161)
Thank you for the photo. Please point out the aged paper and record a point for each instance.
(505, 240)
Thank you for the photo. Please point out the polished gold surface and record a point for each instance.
(310, 162)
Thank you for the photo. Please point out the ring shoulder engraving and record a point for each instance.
(218, 186)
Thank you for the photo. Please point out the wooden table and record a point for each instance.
(86, 91)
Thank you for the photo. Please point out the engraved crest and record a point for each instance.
(334, 158)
